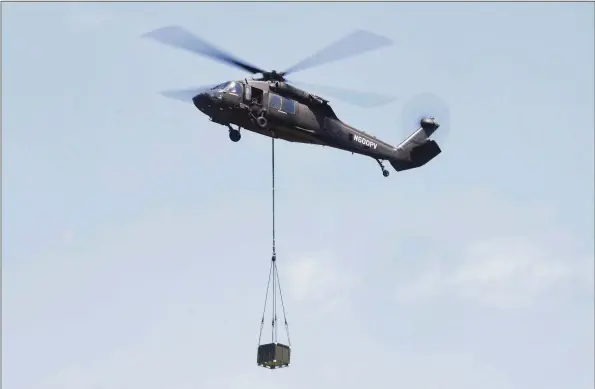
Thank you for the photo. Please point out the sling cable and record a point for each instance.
(273, 355)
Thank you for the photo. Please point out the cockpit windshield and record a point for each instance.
(229, 87)
(234, 88)
(220, 86)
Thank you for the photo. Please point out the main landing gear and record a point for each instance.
(234, 135)
(385, 172)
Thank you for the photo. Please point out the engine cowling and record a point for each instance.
(290, 91)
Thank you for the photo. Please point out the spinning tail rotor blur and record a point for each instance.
(423, 106)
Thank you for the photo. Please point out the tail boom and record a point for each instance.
(418, 149)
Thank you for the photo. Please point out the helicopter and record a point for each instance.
(271, 106)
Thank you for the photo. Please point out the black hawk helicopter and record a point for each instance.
(272, 107)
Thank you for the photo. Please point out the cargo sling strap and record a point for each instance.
(274, 275)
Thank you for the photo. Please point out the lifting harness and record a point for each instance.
(273, 355)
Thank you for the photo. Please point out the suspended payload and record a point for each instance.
(273, 355)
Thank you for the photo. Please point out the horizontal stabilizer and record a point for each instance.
(418, 149)
(418, 156)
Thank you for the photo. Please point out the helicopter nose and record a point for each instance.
(201, 101)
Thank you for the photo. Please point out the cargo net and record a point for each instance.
(273, 355)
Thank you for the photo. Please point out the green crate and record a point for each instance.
(273, 355)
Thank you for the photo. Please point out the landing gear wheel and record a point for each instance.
(234, 135)
(385, 172)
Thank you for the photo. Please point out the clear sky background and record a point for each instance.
(136, 236)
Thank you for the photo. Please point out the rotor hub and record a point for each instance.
(273, 75)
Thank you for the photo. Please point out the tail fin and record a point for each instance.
(417, 149)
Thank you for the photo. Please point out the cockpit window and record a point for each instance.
(220, 86)
(234, 88)
(238, 89)
(230, 86)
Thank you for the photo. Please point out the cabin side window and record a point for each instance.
(248, 93)
(274, 101)
(288, 106)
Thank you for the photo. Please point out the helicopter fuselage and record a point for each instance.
(271, 107)
(286, 113)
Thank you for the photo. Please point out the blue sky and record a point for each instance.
(136, 236)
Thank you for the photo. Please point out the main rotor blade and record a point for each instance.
(361, 99)
(179, 37)
(355, 43)
(186, 95)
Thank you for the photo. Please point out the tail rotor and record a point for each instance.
(426, 110)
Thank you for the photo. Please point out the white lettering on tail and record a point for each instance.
(364, 141)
